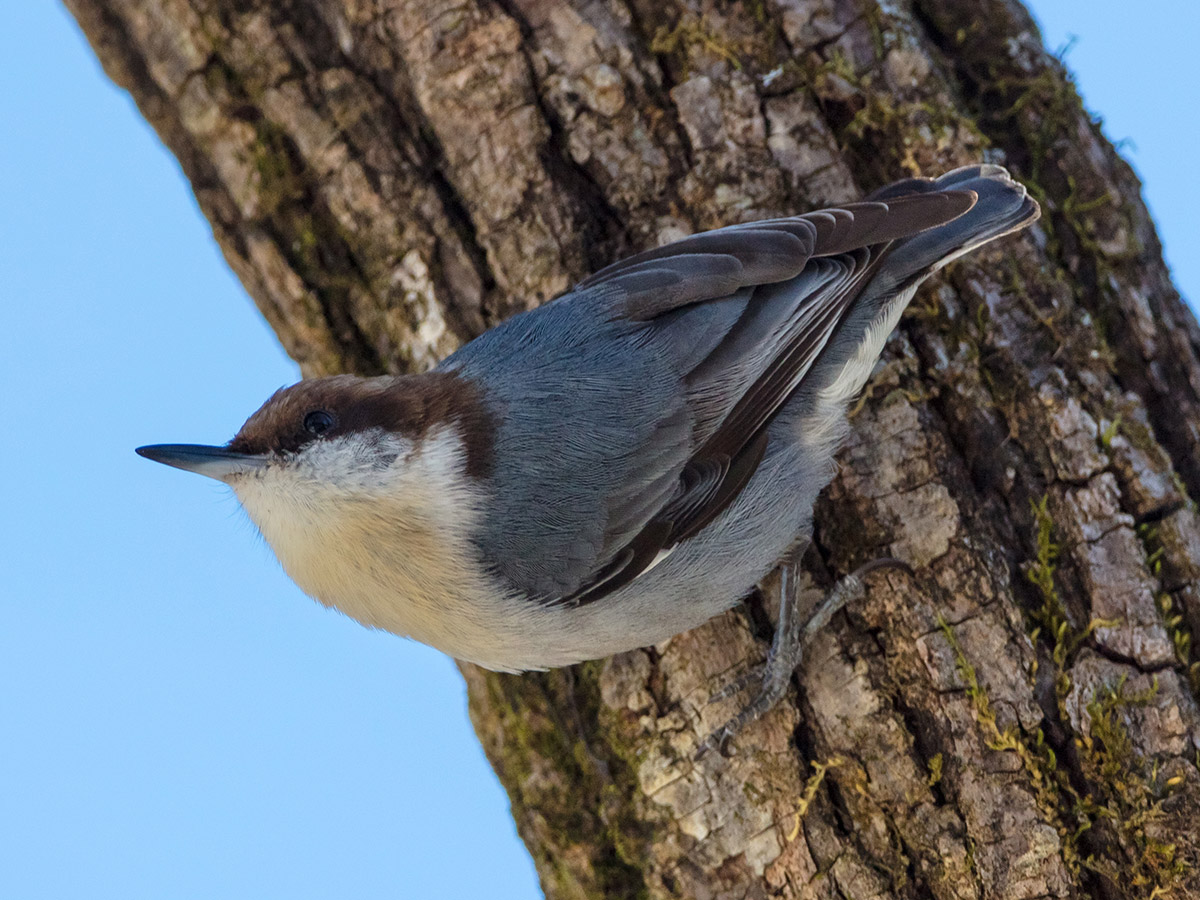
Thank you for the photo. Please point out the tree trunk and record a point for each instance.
(1020, 719)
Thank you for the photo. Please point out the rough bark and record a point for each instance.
(1020, 719)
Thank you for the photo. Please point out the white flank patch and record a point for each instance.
(833, 399)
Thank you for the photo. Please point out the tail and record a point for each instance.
(1003, 206)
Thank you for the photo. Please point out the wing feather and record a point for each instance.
(805, 274)
(739, 315)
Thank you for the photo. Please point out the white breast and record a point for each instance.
(388, 546)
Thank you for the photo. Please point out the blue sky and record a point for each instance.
(179, 721)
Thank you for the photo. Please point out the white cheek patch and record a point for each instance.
(359, 463)
(379, 527)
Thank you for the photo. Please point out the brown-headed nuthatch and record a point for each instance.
(618, 465)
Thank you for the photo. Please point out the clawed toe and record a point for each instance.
(738, 684)
(715, 741)
(769, 694)
(786, 650)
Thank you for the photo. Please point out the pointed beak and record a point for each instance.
(215, 462)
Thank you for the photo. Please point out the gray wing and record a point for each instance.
(654, 382)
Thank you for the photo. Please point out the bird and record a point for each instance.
(620, 464)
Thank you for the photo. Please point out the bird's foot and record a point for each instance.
(787, 648)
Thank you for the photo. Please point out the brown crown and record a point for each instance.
(410, 405)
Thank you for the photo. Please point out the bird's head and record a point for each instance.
(343, 435)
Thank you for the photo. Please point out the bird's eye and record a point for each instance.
(318, 422)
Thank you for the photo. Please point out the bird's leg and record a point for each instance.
(787, 648)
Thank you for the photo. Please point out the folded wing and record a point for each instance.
(656, 378)
(792, 281)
